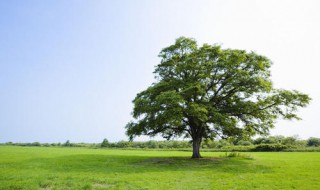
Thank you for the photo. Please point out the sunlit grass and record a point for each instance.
(81, 168)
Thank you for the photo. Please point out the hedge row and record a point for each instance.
(180, 145)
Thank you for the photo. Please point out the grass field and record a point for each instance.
(81, 168)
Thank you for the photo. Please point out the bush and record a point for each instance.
(269, 147)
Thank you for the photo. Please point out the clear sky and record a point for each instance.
(70, 69)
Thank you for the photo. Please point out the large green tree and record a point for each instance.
(205, 92)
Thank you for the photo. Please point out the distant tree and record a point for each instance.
(313, 141)
(211, 143)
(272, 140)
(105, 143)
(293, 140)
(301, 143)
(223, 143)
(35, 144)
(9, 143)
(67, 143)
(266, 140)
(204, 92)
(244, 143)
(279, 138)
(123, 144)
(152, 144)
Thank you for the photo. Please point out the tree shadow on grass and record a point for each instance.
(83, 163)
(218, 164)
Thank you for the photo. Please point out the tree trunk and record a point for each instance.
(196, 143)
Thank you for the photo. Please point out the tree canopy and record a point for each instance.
(207, 92)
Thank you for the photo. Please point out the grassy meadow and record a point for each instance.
(83, 168)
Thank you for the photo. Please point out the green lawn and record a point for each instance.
(81, 168)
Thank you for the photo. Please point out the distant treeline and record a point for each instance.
(271, 143)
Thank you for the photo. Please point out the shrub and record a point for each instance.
(269, 147)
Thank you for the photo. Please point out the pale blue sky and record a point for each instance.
(70, 69)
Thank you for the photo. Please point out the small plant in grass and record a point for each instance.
(238, 155)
